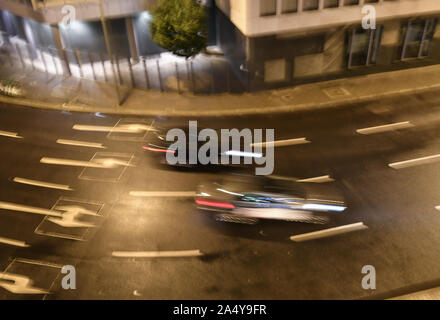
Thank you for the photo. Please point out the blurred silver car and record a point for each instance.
(246, 199)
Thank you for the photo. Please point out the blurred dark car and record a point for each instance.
(246, 199)
(158, 147)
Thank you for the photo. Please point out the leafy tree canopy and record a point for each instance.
(179, 26)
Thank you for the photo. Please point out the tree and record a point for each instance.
(179, 26)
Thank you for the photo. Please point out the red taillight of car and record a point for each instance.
(158, 150)
(216, 204)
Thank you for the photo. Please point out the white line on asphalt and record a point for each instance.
(81, 143)
(104, 163)
(163, 194)
(282, 143)
(42, 184)
(415, 162)
(130, 128)
(384, 128)
(13, 242)
(329, 232)
(29, 209)
(10, 134)
(322, 179)
(157, 254)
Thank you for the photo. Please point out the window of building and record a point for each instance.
(351, 2)
(331, 3)
(275, 70)
(363, 46)
(268, 7)
(310, 5)
(416, 38)
(289, 6)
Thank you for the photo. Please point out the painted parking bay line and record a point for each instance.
(42, 184)
(321, 179)
(157, 254)
(163, 194)
(13, 242)
(102, 163)
(415, 162)
(10, 134)
(281, 143)
(385, 128)
(329, 232)
(81, 143)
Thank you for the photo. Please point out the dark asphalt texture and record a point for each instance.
(240, 262)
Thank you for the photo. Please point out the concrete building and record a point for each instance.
(275, 43)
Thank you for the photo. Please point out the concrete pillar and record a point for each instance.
(434, 50)
(59, 45)
(131, 38)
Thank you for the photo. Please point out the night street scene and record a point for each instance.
(219, 150)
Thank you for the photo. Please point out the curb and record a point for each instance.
(215, 113)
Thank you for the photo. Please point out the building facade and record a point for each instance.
(276, 43)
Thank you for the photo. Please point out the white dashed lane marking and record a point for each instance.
(281, 143)
(81, 143)
(329, 232)
(42, 184)
(163, 194)
(13, 242)
(322, 179)
(385, 128)
(415, 162)
(10, 134)
(157, 254)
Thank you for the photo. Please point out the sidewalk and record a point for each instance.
(73, 94)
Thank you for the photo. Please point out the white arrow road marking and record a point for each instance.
(384, 128)
(20, 285)
(157, 254)
(13, 242)
(70, 215)
(281, 143)
(163, 194)
(29, 209)
(329, 232)
(322, 179)
(10, 134)
(81, 143)
(104, 163)
(415, 162)
(130, 128)
(42, 184)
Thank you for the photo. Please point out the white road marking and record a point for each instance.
(81, 143)
(13, 242)
(96, 163)
(29, 209)
(281, 143)
(157, 254)
(329, 232)
(42, 184)
(322, 179)
(384, 128)
(130, 128)
(10, 134)
(163, 194)
(18, 284)
(415, 162)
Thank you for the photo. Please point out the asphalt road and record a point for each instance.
(239, 261)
